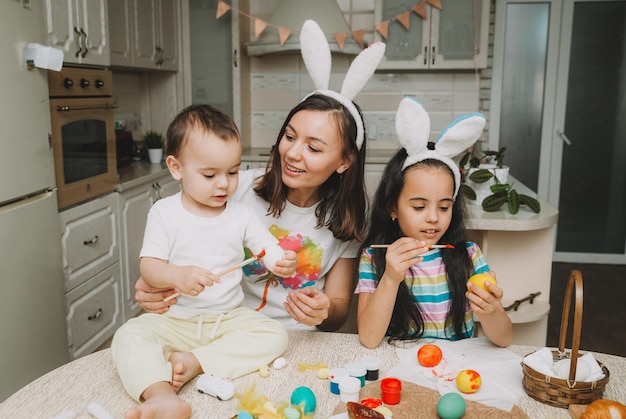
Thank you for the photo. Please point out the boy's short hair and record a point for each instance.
(205, 117)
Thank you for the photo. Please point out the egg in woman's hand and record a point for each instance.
(273, 254)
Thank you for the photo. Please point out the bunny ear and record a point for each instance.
(316, 54)
(412, 125)
(362, 69)
(460, 134)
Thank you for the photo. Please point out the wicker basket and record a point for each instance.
(558, 392)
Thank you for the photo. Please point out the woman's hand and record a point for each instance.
(150, 299)
(308, 306)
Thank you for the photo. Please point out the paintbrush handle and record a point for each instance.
(224, 272)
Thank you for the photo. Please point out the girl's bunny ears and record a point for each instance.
(317, 59)
(413, 128)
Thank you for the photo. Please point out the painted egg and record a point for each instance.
(468, 381)
(264, 371)
(322, 373)
(451, 406)
(429, 355)
(279, 363)
(273, 254)
(304, 398)
(244, 415)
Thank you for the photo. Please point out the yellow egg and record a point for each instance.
(468, 381)
(480, 279)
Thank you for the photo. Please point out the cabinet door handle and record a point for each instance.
(235, 58)
(563, 137)
(94, 240)
(157, 188)
(78, 42)
(433, 56)
(85, 42)
(425, 55)
(96, 316)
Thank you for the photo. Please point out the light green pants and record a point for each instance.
(243, 341)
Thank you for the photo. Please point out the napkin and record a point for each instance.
(542, 361)
(499, 369)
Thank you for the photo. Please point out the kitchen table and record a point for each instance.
(93, 378)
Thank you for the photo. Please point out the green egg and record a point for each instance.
(304, 398)
(451, 406)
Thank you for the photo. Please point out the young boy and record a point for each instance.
(189, 238)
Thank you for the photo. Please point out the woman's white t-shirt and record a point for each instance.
(295, 230)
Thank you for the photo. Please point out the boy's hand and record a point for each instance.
(191, 280)
(286, 266)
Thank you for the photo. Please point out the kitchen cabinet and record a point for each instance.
(80, 29)
(455, 37)
(134, 205)
(91, 256)
(144, 34)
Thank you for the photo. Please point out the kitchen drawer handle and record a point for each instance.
(85, 107)
(96, 316)
(92, 241)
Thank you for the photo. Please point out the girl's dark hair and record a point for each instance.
(407, 321)
(343, 203)
(204, 117)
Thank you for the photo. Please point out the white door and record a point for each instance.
(558, 106)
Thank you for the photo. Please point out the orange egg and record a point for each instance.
(480, 279)
(429, 355)
(468, 381)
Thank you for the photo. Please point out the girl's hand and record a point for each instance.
(150, 299)
(401, 255)
(485, 302)
(308, 306)
(286, 266)
(191, 280)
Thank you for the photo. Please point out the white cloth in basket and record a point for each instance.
(587, 369)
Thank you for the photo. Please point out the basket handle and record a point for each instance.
(575, 280)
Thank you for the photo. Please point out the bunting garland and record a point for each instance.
(382, 28)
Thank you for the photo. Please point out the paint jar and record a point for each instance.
(391, 389)
(372, 363)
(334, 375)
(357, 370)
(349, 389)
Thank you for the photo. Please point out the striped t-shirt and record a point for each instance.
(428, 283)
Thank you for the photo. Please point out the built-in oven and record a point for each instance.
(83, 133)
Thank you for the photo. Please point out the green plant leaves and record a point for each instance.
(481, 176)
(531, 202)
(467, 192)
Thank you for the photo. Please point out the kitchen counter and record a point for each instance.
(138, 173)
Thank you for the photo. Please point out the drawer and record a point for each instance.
(90, 239)
(93, 312)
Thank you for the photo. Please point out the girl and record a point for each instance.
(407, 290)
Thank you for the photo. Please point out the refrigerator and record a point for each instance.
(33, 336)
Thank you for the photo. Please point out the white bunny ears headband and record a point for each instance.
(413, 128)
(317, 59)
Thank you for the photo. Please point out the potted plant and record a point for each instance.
(486, 183)
(153, 141)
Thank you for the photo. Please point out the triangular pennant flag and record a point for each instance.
(221, 9)
(435, 3)
(358, 36)
(403, 18)
(283, 34)
(420, 9)
(259, 27)
(341, 39)
(383, 28)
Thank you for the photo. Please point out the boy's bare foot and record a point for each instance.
(185, 366)
(160, 403)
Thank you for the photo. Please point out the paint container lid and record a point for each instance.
(335, 373)
(349, 385)
(371, 362)
(357, 369)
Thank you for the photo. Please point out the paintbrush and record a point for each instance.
(225, 271)
(430, 246)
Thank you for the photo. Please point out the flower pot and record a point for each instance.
(155, 154)
(483, 189)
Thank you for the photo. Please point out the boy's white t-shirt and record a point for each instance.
(295, 230)
(214, 243)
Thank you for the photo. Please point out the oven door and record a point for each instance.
(83, 131)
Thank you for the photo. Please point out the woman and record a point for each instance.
(312, 198)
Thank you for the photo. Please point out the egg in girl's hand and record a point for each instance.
(480, 279)
(273, 254)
